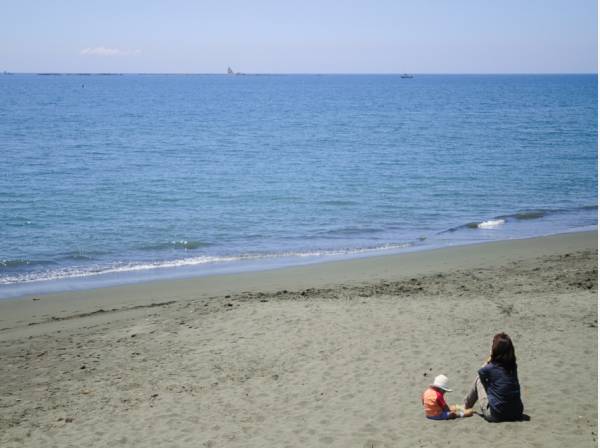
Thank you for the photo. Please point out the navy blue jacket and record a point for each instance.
(503, 390)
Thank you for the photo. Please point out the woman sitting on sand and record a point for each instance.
(497, 384)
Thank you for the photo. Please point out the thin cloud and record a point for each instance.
(103, 51)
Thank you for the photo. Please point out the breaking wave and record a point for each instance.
(131, 267)
(526, 215)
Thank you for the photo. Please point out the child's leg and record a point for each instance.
(461, 411)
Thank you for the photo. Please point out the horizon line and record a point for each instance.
(6, 72)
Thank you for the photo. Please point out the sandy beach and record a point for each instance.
(333, 354)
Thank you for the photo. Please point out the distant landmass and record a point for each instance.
(79, 74)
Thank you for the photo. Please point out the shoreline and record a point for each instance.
(103, 273)
(159, 274)
(312, 275)
(331, 355)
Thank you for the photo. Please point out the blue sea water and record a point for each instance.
(112, 179)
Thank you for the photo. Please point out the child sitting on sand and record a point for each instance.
(435, 405)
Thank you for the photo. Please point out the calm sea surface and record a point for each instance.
(111, 179)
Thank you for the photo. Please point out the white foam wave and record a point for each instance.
(78, 272)
(119, 268)
(491, 224)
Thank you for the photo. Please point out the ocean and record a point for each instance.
(114, 179)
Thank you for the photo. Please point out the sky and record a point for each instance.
(308, 36)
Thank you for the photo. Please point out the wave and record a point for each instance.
(131, 267)
(491, 224)
(177, 244)
(90, 263)
(81, 255)
(58, 259)
(19, 221)
(529, 215)
(21, 262)
(526, 215)
(349, 231)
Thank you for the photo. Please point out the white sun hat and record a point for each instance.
(441, 382)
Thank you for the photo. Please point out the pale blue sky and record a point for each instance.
(309, 36)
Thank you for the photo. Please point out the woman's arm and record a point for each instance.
(484, 375)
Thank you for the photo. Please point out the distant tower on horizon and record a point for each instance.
(231, 72)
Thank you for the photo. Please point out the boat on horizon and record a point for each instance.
(406, 76)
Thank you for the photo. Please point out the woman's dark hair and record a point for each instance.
(503, 351)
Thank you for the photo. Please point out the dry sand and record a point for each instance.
(334, 354)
